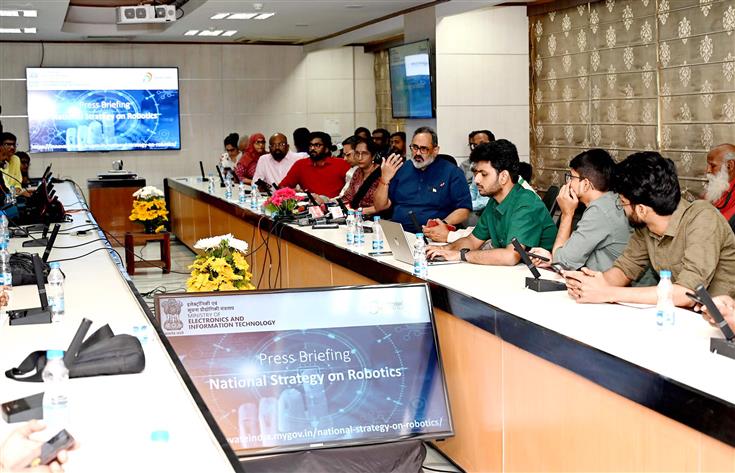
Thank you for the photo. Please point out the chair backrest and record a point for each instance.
(448, 158)
(550, 196)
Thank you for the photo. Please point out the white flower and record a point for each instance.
(214, 242)
(147, 192)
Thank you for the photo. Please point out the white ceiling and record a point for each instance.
(295, 20)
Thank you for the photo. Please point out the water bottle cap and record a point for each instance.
(376, 219)
(665, 273)
(159, 436)
(420, 235)
(54, 265)
(54, 354)
(3, 245)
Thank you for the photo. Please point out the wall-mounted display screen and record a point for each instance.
(103, 109)
(309, 368)
(410, 80)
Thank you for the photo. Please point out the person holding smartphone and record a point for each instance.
(19, 453)
(726, 306)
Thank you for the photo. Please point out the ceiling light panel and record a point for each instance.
(219, 16)
(10, 30)
(229, 33)
(242, 16)
(210, 32)
(191, 33)
(23, 13)
(264, 16)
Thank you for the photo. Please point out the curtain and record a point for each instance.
(632, 75)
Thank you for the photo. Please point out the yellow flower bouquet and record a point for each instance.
(221, 267)
(149, 209)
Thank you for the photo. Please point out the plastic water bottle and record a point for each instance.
(56, 292)
(350, 221)
(210, 184)
(55, 392)
(4, 228)
(254, 197)
(665, 313)
(419, 256)
(378, 240)
(6, 275)
(241, 193)
(359, 237)
(228, 187)
(10, 196)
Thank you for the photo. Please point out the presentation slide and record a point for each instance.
(294, 370)
(103, 109)
(410, 80)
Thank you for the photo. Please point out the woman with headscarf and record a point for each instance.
(246, 166)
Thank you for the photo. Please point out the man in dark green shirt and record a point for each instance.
(511, 212)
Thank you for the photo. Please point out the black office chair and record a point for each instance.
(550, 197)
(448, 158)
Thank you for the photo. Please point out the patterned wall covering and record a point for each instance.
(383, 107)
(630, 75)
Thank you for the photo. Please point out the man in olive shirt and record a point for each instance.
(692, 240)
(511, 212)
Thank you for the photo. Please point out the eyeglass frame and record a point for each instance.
(422, 149)
(619, 203)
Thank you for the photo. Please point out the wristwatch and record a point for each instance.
(463, 254)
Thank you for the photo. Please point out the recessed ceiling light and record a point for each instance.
(264, 16)
(210, 32)
(23, 13)
(30, 13)
(191, 33)
(31, 30)
(229, 33)
(10, 30)
(219, 16)
(242, 16)
(9, 12)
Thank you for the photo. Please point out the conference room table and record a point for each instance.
(112, 417)
(536, 381)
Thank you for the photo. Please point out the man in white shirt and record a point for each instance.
(273, 167)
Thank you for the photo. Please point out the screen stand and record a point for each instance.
(402, 457)
(722, 347)
(545, 285)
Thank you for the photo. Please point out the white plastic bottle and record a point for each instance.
(419, 256)
(56, 292)
(210, 184)
(4, 228)
(254, 197)
(665, 312)
(241, 193)
(378, 239)
(6, 275)
(350, 221)
(228, 187)
(55, 392)
(359, 237)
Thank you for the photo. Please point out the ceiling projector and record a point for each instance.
(146, 14)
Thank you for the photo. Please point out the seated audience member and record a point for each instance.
(525, 172)
(512, 212)
(25, 166)
(692, 240)
(19, 449)
(475, 139)
(603, 231)
(242, 144)
(381, 138)
(231, 156)
(726, 306)
(364, 133)
(301, 141)
(248, 163)
(273, 167)
(428, 187)
(321, 174)
(721, 179)
(348, 154)
(362, 187)
(9, 161)
(398, 144)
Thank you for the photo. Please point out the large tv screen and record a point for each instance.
(410, 80)
(311, 368)
(103, 109)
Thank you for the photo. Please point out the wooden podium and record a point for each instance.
(110, 201)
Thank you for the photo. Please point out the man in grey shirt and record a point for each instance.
(603, 232)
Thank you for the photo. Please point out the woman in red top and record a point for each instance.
(365, 179)
(246, 166)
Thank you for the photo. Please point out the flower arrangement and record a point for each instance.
(221, 267)
(282, 202)
(149, 209)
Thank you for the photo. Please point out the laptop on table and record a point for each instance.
(401, 244)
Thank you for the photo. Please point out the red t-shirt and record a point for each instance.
(326, 177)
(726, 203)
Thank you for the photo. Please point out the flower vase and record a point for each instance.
(149, 226)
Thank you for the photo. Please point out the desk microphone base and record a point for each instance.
(722, 347)
(545, 285)
(37, 243)
(37, 315)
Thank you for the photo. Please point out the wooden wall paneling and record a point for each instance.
(342, 276)
(472, 367)
(200, 219)
(305, 269)
(243, 231)
(715, 455)
(555, 420)
(187, 221)
(174, 212)
(219, 221)
(268, 257)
